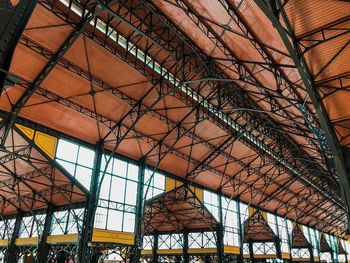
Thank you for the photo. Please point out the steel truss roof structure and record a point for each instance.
(246, 98)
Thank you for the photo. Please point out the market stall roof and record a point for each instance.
(176, 211)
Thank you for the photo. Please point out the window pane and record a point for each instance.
(86, 157)
(83, 175)
(117, 189)
(100, 218)
(159, 180)
(133, 172)
(68, 166)
(115, 220)
(104, 161)
(106, 183)
(67, 151)
(157, 191)
(119, 168)
(129, 222)
(131, 193)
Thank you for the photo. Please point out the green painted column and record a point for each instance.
(154, 249)
(90, 208)
(12, 250)
(136, 251)
(241, 232)
(185, 247)
(43, 250)
(278, 240)
(220, 232)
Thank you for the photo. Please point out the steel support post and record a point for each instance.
(154, 249)
(333, 256)
(319, 250)
(12, 251)
(310, 246)
(220, 232)
(278, 240)
(311, 251)
(43, 250)
(185, 248)
(241, 232)
(289, 241)
(90, 209)
(135, 256)
(251, 251)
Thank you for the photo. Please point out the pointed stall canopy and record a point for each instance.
(298, 238)
(176, 211)
(324, 246)
(256, 229)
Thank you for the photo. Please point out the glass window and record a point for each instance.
(77, 160)
(154, 183)
(67, 151)
(230, 221)
(118, 195)
(86, 157)
(115, 220)
(211, 202)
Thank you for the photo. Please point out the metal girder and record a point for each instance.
(220, 232)
(13, 19)
(324, 34)
(325, 124)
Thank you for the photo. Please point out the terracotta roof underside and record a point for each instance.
(322, 31)
(99, 91)
(176, 211)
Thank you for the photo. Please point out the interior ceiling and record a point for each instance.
(204, 90)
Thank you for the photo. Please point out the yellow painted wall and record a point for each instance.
(169, 251)
(69, 238)
(110, 236)
(45, 142)
(146, 252)
(202, 250)
(3, 242)
(231, 249)
(27, 241)
(251, 211)
(171, 183)
(261, 256)
(285, 255)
